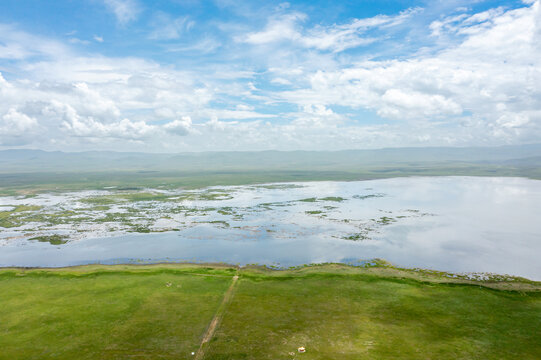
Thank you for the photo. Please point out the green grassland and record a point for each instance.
(94, 313)
(31, 183)
(336, 311)
(31, 171)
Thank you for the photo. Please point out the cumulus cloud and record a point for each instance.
(3, 83)
(97, 99)
(73, 124)
(316, 116)
(16, 123)
(17, 128)
(479, 88)
(396, 102)
(123, 129)
(490, 75)
(182, 126)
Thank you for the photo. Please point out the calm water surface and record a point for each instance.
(457, 224)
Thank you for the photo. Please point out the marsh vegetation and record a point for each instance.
(452, 219)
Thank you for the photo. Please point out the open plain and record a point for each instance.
(163, 311)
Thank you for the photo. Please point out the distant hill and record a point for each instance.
(30, 171)
(19, 161)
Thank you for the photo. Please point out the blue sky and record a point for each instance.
(193, 75)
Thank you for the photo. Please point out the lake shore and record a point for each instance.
(376, 267)
(455, 224)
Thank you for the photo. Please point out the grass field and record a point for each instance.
(29, 183)
(158, 314)
(336, 312)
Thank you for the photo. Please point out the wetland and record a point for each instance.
(455, 224)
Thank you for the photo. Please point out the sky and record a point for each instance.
(229, 75)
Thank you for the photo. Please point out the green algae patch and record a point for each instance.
(14, 217)
(369, 196)
(357, 237)
(385, 220)
(328, 198)
(333, 198)
(55, 239)
(22, 208)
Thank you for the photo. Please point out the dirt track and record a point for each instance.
(216, 319)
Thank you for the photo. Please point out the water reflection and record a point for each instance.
(460, 224)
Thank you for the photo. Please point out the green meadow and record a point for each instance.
(165, 311)
(26, 172)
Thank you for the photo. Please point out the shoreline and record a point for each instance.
(380, 269)
(205, 209)
(53, 188)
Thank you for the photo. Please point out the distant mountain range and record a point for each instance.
(22, 161)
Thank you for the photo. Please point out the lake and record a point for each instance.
(455, 224)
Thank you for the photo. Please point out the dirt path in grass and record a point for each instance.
(216, 319)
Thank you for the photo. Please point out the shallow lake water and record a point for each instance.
(456, 224)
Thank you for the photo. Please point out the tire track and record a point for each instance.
(216, 319)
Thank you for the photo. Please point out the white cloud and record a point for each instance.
(491, 75)
(78, 41)
(98, 38)
(125, 11)
(336, 38)
(86, 126)
(341, 37)
(215, 125)
(316, 116)
(16, 123)
(167, 28)
(92, 103)
(480, 88)
(180, 127)
(17, 128)
(397, 104)
(97, 98)
(3, 83)
(203, 46)
(281, 81)
(466, 24)
(244, 107)
(284, 27)
(19, 45)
